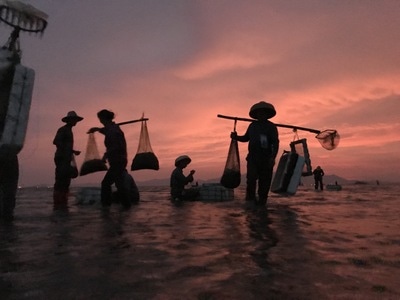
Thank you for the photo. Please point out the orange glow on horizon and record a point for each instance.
(318, 73)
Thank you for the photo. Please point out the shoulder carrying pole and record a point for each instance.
(132, 121)
(278, 125)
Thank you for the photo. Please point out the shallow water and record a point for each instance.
(314, 245)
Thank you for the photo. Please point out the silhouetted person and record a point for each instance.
(179, 180)
(262, 136)
(117, 157)
(64, 141)
(318, 174)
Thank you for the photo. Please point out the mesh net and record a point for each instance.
(329, 139)
(92, 162)
(145, 157)
(231, 176)
(144, 141)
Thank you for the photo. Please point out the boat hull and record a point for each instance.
(16, 119)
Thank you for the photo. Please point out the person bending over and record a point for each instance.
(179, 180)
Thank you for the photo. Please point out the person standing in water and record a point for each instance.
(263, 139)
(318, 174)
(64, 141)
(117, 157)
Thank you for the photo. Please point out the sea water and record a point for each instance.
(313, 245)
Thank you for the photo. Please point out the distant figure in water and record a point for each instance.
(318, 174)
(179, 180)
(377, 182)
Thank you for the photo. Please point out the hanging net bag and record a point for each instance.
(329, 139)
(92, 162)
(145, 157)
(74, 169)
(231, 176)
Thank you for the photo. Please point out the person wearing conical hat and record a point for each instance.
(179, 180)
(64, 142)
(263, 139)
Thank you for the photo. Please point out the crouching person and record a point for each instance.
(179, 180)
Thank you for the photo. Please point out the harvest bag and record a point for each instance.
(74, 168)
(145, 157)
(92, 162)
(231, 176)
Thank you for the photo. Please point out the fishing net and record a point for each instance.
(300, 147)
(92, 162)
(231, 176)
(145, 157)
(329, 139)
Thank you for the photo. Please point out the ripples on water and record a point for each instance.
(330, 244)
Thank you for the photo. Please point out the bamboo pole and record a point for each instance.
(132, 121)
(278, 125)
(124, 123)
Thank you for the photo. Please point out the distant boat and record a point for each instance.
(333, 187)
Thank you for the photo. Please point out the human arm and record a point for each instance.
(190, 178)
(94, 129)
(275, 142)
(179, 180)
(240, 138)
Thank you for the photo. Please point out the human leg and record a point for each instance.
(106, 195)
(252, 176)
(9, 174)
(122, 189)
(264, 182)
(62, 183)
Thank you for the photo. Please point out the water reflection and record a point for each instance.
(9, 257)
(264, 237)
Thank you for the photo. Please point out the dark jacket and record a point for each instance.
(64, 141)
(263, 139)
(318, 173)
(115, 144)
(178, 182)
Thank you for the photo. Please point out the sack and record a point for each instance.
(131, 189)
(92, 162)
(74, 169)
(92, 166)
(231, 176)
(145, 157)
(130, 193)
(145, 160)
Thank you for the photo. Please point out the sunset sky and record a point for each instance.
(322, 64)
